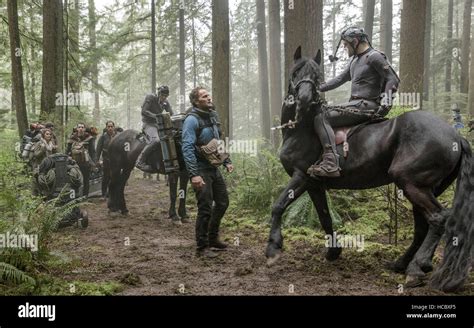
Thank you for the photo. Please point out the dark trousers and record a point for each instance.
(324, 122)
(209, 216)
(86, 173)
(105, 177)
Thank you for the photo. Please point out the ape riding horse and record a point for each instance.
(124, 150)
(417, 151)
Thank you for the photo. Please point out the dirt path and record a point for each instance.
(151, 256)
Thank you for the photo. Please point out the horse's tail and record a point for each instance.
(458, 252)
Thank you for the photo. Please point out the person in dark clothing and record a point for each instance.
(374, 83)
(163, 94)
(102, 149)
(150, 109)
(80, 147)
(199, 128)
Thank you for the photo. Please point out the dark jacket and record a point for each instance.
(152, 107)
(103, 145)
(190, 140)
(371, 75)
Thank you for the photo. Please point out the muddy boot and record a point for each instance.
(141, 165)
(206, 252)
(328, 167)
(217, 245)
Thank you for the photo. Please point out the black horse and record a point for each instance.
(417, 151)
(124, 150)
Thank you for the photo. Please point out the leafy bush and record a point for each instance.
(23, 214)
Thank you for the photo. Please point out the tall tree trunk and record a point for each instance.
(275, 59)
(295, 32)
(427, 57)
(303, 27)
(18, 89)
(94, 70)
(194, 55)
(221, 62)
(153, 48)
(335, 38)
(369, 18)
(31, 85)
(386, 29)
(263, 70)
(314, 30)
(466, 41)
(52, 81)
(412, 46)
(182, 54)
(74, 70)
(471, 81)
(449, 51)
(434, 73)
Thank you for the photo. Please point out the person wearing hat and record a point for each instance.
(374, 83)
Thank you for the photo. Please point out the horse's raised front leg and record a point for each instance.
(296, 187)
(319, 198)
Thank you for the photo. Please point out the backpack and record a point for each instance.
(78, 152)
(202, 124)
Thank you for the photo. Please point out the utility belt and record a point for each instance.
(211, 152)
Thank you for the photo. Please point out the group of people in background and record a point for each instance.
(200, 128)
(81, 147)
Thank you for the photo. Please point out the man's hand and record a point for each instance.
(230, 168)
(197, 182)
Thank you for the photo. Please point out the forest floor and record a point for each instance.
(146, 254)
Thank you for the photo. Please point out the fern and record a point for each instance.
(9, 273)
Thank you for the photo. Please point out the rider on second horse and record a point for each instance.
(373, 83)
(153, 106)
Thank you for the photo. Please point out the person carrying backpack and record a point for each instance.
(200, 137)
(80, 147)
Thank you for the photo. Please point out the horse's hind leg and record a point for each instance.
(173, 184)
(432, 211)
(318, 196)
(112, 201)
(121, 190)
(295, 188)
(421, 230)
(183, 187)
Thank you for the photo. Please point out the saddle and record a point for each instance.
(344, 133)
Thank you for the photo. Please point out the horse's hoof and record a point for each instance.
(333, 253)
(177, 222)
(113, 213)
(413, 281)
(274, 259)
(124, 213)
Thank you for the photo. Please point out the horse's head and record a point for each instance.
(304, 82)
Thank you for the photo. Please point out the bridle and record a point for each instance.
(293, 91)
